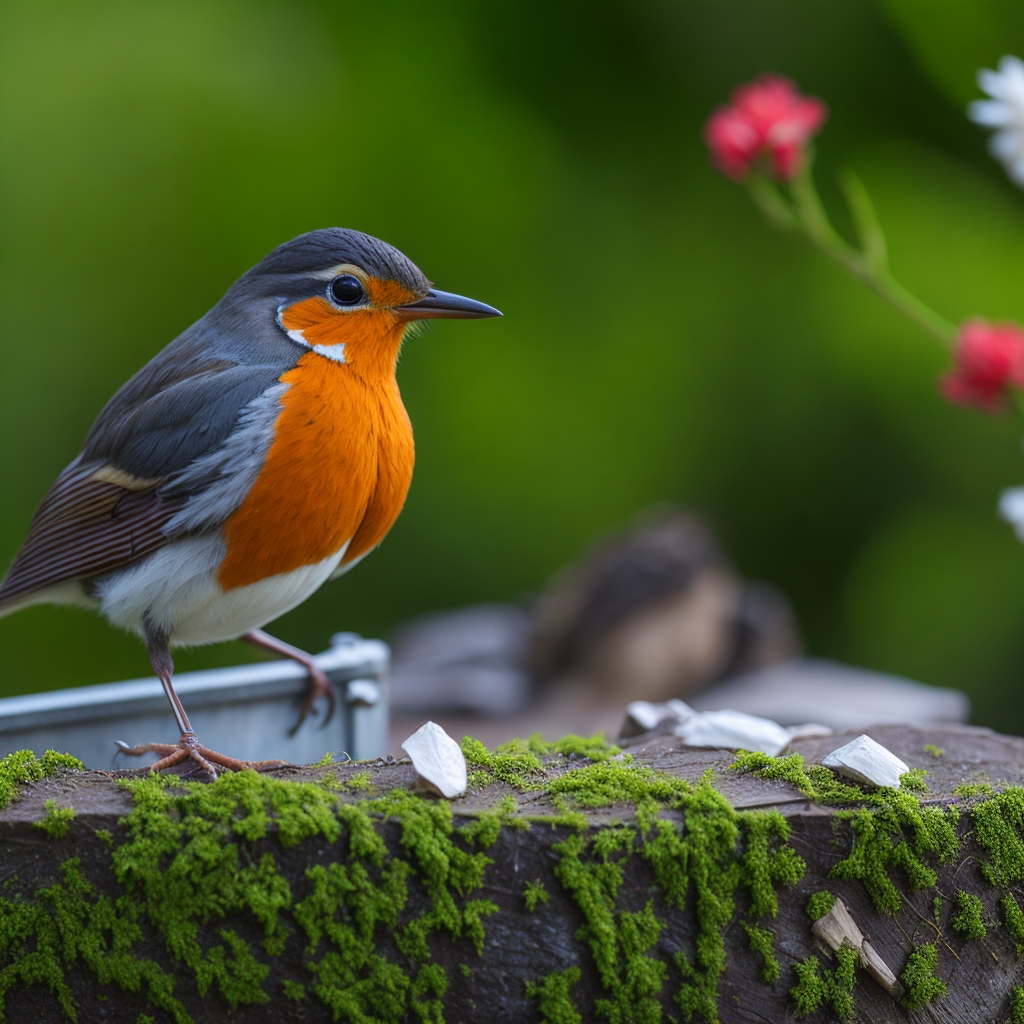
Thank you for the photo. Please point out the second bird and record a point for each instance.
(261, 453)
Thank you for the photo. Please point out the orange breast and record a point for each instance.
(338, 470)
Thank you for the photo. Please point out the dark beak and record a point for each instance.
(444, 306)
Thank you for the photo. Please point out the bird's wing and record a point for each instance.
(88, 523)
(108, 507)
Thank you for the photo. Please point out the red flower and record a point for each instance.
(989, 361)
(768, 117)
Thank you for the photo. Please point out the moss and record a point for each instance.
(937, 911)
(814, 987)
(327, 759)
(535, 892)
(594, 748)
(293, 990)
(967, 920)
(998, 826)
(513, 762)
(890, 830)
(973, 789)
(465, 970)
(1017, 1005)
(933, 750)
(144, 1018)
(552, 997)
(187, 861)
(358, 782)
(762, 942)
(22, 766)
(58, 820)
(919, 980)
(1013, 918)
(915, 779)
(819, 904)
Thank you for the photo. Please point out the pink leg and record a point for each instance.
(188, 747)
(319, 684)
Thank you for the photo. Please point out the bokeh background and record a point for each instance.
(660, 342)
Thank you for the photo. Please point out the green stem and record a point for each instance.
(808, 214)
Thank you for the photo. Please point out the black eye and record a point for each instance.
(347, 290)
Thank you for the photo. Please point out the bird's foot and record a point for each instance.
(319, 683)
(189, 748)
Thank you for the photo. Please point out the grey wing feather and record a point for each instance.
(85, 527)
(179, 408)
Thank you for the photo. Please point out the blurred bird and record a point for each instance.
(261, 453)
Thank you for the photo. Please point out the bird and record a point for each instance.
(263, 452)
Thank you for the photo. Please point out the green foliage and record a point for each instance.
(1017, 1005)
(513, 762)
(535, 892)
(967, 920)
(594, 748)
(891, 830)
(815, 987)
(187, 861)
(935, 751)
(552, 995)
(915, 779)
(998, 828)
(919, 980)
(969, 790)
(762, 942)
(293, 990)
(1013, 918)
(22, 766)
(358, 781)
(57, 821)
(819, 904)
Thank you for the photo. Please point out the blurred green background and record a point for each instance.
(660, 342)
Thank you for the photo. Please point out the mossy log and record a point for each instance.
(662, 884)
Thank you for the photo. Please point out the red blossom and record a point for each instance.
(768, 117)
(989, 361)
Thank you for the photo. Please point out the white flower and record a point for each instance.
(1011, 508)
(1005, 111)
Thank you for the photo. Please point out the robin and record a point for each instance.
(263, 452)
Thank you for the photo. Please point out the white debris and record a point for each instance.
(809, 730)
(864, 760)
(438, 760)
(733, 730)
(838, 928)
(643, 716)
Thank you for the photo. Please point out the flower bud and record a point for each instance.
(768, 119)
(989, 361)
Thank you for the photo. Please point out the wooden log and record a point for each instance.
(336, 893)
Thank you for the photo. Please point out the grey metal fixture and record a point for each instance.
(245, 711)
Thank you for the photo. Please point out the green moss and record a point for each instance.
(513, 762)
(465, 970)
(762, 942)
(890, 830)
(327, 759)
(58, 820)
(819, 904)
(533, 893)
(190, 858)
(919, 980)
(815, 987)
(293, 990)
(22, 766)
(1013, 918)
(553, 999)
(967, 920)
(931, 748)
(998, 826)
(973, 789)
(144, 1018)
(358, 782)
(594, 748)
(915, 779)
(1017, 1005)
(937, 911)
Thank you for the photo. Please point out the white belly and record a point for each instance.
(176, 590)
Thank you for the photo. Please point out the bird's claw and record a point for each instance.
(319, 686)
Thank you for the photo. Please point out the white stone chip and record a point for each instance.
(733, 730)
(438, 760)
(864, 760)
(646, 716)
(838, 928)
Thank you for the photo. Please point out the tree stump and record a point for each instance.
(588, 890)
